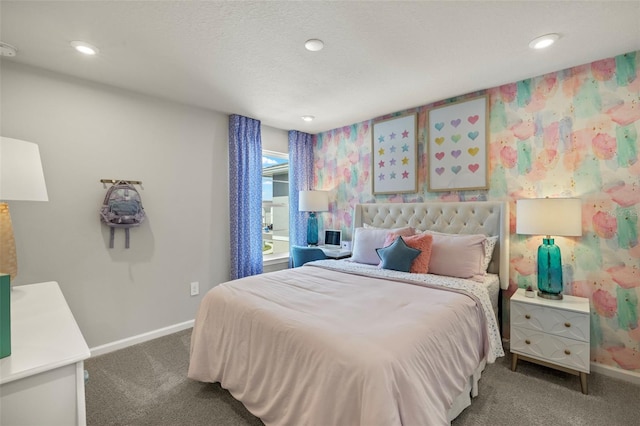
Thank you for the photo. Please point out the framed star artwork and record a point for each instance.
(395, 158)
(457, 145)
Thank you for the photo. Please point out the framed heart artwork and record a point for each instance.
(457, 145)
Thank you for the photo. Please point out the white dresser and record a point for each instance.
(42, 381)
(554, 333)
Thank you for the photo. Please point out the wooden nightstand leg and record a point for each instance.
(583, 383)
(514, 361)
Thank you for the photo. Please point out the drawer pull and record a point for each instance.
(528, 342)
(567, 352)
(567, 324)
(527, 316)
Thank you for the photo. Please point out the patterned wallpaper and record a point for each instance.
(572, 133)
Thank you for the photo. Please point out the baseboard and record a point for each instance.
(616, 373)
(140, 338)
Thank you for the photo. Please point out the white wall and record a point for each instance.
(87, 132)
(275, 140)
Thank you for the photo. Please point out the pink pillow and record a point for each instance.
(422, 242)
(457, 255)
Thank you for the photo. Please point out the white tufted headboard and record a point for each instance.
(468, 217)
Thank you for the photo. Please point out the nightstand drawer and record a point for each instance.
(558, 350)
(573, 325)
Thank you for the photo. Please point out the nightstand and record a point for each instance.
(42, 382)
(553, 333)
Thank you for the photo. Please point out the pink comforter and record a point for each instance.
(312, 346)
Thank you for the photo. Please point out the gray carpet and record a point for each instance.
(146, 384)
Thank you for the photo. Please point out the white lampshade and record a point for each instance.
(313, 201)
(21, 179)
(549, 216)
(21, 175)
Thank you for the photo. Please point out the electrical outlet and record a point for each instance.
(195, 288)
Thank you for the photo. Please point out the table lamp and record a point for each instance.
(549, 216)
(312, 202)
(21, 179)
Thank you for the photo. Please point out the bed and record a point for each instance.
(350, 343)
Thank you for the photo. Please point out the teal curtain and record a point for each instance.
(245, 196)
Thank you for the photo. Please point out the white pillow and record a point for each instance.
(366, 241)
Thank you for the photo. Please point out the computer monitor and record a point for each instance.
(333, 238)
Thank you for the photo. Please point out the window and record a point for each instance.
(275, 205)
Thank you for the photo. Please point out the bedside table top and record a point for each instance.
(44, 333)
(569, 303)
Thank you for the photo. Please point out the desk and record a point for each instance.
(42, 381)
(335, 252)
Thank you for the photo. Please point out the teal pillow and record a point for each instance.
(398, 256)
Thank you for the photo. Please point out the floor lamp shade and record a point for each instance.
(312, 202)
(549, 216)
(21, 179)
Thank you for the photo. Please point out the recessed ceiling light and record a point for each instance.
(7, 49)
(84, 48)
(307, 117)
(544, 41)
(314, 44)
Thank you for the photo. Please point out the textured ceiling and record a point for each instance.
(380, 57)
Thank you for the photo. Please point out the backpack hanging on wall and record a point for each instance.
(122, 208)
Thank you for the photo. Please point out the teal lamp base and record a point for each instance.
(312, 230)
(5, 315)
(549, 270)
